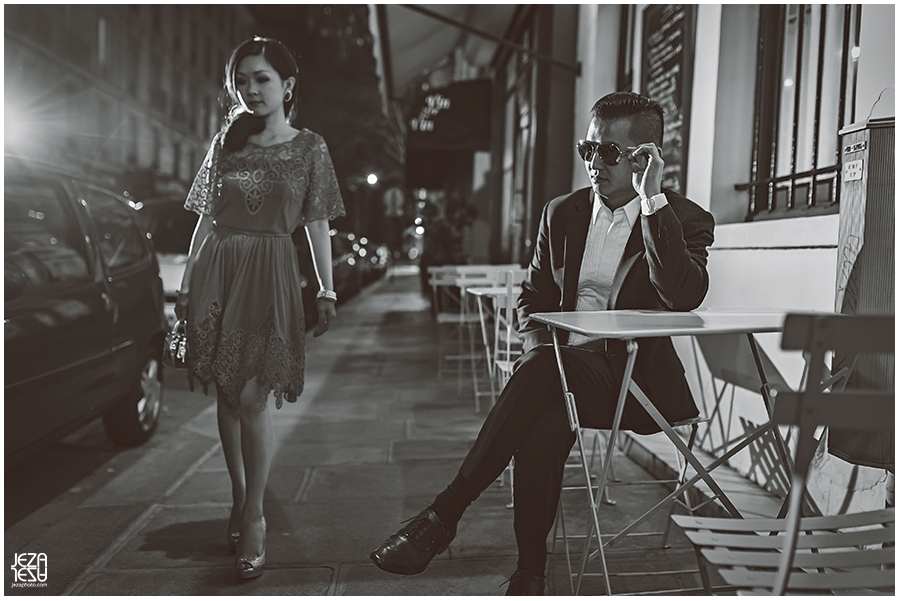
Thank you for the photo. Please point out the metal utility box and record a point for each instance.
(865, 267)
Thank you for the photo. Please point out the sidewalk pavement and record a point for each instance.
(374, 437)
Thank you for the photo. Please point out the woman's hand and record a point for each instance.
(181, 305)
(327, 314)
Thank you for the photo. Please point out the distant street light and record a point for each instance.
(372, 179)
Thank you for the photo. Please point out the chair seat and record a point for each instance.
(842, 552)
(809, 583)
(700, 419)
(505, 366)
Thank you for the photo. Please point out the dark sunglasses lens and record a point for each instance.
(585, 151)
(609, 152)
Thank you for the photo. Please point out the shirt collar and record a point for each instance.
(632, 209)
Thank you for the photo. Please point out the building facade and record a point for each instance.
(756, 98)
(128, 93)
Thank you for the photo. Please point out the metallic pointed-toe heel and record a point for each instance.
(252, 567)
(233, 539)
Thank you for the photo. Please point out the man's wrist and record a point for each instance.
(650, 205)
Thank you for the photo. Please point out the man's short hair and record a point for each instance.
(646, 115)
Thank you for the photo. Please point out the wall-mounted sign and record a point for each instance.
(667, 76)
(457, 117)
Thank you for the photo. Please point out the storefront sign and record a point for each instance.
(667, 77)
(457, 117)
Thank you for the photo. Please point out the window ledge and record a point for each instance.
(809, 232)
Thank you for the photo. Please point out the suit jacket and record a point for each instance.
(663, 267)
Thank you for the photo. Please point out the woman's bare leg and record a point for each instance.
(257, 447)
(230, 435)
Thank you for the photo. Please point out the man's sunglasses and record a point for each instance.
(609, 153)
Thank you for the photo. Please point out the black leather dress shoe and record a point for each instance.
(411, 549)
(523, 582)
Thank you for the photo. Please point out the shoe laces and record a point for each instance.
(416, 530)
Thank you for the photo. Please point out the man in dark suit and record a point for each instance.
(623, 243)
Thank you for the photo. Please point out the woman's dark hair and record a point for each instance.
(239, 124)
(646, 115)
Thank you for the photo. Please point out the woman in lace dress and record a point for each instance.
(260, 180)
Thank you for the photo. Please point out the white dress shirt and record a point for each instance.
(607, 235)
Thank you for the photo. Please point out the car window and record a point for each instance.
(43, 243)
(169, 224)
(119, 237)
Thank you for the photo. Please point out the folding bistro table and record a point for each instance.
(630, 326)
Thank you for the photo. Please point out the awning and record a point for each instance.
(420, 36)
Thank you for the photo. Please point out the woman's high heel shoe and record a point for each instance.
(233, 539)
(233, 536)
(252, 567)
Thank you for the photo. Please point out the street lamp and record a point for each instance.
(372, 179)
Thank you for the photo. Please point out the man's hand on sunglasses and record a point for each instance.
(646, 170)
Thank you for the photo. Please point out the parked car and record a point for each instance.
(83, 311)
(171, 228)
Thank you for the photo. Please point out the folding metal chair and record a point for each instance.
(452, 319)
(507, 346)
(852, 552)
(507, 343)
(479, 276)
(453, 313)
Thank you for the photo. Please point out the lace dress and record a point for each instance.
(245, 314)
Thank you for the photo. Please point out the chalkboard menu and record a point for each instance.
(667, 69)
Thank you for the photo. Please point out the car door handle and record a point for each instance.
(111, 305)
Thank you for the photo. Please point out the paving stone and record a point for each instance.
(147, 480)
(334, 532)
(405, 450)
(483, 576)
(73, 544)
(316, 430)
(303, 453)
(183, 582)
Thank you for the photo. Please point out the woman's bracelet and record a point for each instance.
(327, 294)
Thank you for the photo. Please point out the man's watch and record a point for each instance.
(652, 204)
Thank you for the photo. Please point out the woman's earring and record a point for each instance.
(288, 95)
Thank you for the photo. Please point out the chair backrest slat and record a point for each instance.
(850, 333)
(854, 410)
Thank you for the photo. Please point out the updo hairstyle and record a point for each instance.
(240, 124)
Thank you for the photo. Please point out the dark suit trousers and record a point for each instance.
(530, 422)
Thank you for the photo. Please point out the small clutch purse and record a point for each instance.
(175, 353)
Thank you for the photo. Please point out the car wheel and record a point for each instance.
(133, 420)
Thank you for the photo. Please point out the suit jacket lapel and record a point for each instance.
(576, 237)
